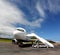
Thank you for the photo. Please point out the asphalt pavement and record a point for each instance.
(11, 49)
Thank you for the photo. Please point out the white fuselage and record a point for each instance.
(19, 35)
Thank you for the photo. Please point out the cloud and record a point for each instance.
(40, 10)
(52, 6)
(10, 15)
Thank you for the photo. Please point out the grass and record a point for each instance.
(5, 40)
(10, 40)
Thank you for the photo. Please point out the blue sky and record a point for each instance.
(39, 16)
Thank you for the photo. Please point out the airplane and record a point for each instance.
(20, 36)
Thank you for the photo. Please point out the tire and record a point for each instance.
(20, 44)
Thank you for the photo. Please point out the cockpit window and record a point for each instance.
(20, 30)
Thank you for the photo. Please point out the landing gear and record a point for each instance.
(14, 41)
(36, 44)
(20, 44)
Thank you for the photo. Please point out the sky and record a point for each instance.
(39, 16)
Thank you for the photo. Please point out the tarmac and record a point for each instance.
(11, 49)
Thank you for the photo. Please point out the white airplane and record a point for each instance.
(21, 36)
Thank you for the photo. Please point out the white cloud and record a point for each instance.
(40, 10)
(37, 22)
(52, 6)
(10, 15)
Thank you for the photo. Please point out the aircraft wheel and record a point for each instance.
(20, 44)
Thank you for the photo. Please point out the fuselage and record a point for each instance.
(20, 34)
